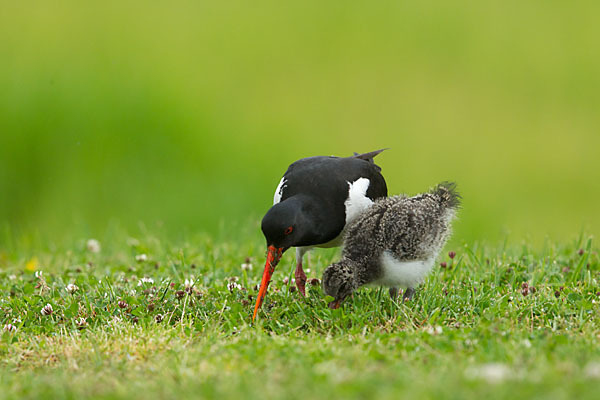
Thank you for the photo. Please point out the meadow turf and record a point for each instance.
(498, 321)
(188, 113)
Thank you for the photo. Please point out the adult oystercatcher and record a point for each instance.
(394, 243)
(313, 202)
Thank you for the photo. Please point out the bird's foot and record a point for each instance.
(408, 294)
(300, 280)
(394, 293)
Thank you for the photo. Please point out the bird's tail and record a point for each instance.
(447, 194)
(369, 156)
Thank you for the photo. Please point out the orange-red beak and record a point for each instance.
(273, 257)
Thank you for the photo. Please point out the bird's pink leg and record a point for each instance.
(300, 278)
(299, 274)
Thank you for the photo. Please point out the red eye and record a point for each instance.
(288, 230)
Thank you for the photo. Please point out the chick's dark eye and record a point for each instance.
(288, 230)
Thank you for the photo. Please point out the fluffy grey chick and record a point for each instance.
(393, 243)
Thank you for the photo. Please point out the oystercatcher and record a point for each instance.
(394, 243)
(313, 202)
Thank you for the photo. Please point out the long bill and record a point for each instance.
(273, 257)
(334, 305)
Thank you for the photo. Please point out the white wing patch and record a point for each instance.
(279, 191)
(357, 200)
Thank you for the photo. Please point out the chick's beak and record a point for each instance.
(335, 304)
(273, 257)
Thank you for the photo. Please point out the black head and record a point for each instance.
(285, 225)
(339, 282)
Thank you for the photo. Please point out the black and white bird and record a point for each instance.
(394, 243)
(316, 198)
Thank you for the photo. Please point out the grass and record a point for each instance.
(504, 321)
(117, 112)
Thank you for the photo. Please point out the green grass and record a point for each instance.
(470, 331)
(185, 116)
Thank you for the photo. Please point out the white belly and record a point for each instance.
(403, 274)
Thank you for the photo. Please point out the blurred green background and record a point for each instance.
(188, 113)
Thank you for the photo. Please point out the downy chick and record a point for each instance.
(393, 243)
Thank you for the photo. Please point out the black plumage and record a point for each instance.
(312, 198)
(314, 201)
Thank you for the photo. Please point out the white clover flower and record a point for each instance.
(233, 286)
(188, 283)
(10, 328)
(141, 258)
(93, 246)
(81, 323)
(12, 277)
(492, 373)
(592, 370)
(246, 266)
(145, 280)
(47, 310)
(71, 288)
(434, 330)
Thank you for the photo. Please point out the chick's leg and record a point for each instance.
(408, 294)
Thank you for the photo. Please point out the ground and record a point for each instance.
(155, 317)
